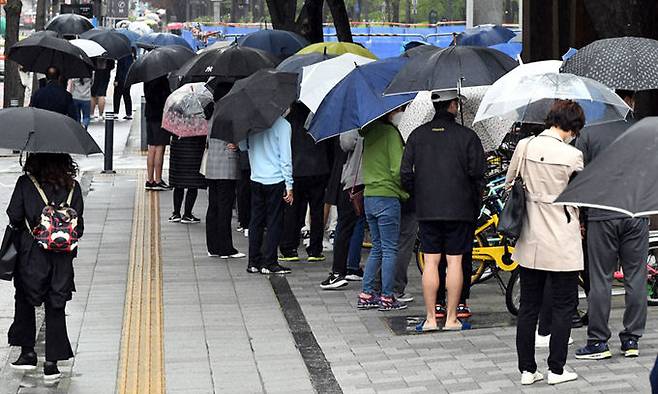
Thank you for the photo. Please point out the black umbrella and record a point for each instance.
(623, 177)
(445, 69)
(40, 51)
(158, 62)
(629, 63)
(231, 63)
(116, 44)
(420, 49)
(39, 131)
(280, 43)
(253, 104)
(69, 24)
(295, 63)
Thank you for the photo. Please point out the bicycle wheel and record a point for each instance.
(652, 281)
(513, 293)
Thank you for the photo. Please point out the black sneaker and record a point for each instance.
(190, 219)
(334, 281)
(289, 257)
(253, 270)
(630, 347)
(50, 371)
(354, 275)
(594, 351)
(174, 218)
(275, 269)
(317, 258)
(150, 185)
(128, 117)
(161, 186)
(25, 362)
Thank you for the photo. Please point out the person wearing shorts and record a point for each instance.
(443, 168)
(99, 86)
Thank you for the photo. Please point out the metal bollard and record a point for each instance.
(143, 146)
(109, 142)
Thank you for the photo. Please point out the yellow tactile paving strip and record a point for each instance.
(141, 363)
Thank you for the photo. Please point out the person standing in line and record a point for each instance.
(43, 276)
(549, 246)
(443, 156)
(53, 96)
(184, 163)
(99, 86)
(270, 158)
(157, 138)
(244, 194)
(613, 237)
(310, 168)
(351, 177)
(80, 89)
(121, 90)
(382, 151)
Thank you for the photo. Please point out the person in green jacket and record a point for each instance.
(382, 154)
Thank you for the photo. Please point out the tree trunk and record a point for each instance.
(309, 22)
(54, 7)
(409, 18)
(234, 11)
(395, 12)
(341, 20)
(13, 89)
(40, 19)
(283, 13)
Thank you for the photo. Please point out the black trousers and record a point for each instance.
(564, 288)
(244, 198)
(122, 91)
(190, 200)
(308, 190)
(467, 271)
(23, 331)
(219, 238)
(345, 224)
(266, 211)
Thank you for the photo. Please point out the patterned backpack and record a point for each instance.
(57, 229)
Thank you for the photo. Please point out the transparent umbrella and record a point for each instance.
(491, 131)
(184, 113)
(530, 98)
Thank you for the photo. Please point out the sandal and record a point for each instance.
(463, 326)
(421, 328)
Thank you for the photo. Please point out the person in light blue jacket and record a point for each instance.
(270, 158)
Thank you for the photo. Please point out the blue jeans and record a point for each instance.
(383, 216)
(83, 107)
(354, 256)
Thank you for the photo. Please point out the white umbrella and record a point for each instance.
(140, 28)
(89, 47)
(318, 79)
(512, 78)
(530, 99)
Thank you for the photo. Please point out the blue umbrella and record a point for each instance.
(280, 43)
(155, 40)
(484, 36)
(511, 49)
(132, 36)
(359, 99)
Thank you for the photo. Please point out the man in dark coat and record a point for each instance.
(120, 88)
(613, 237)
(310, 168)
(443, 167)
(53, 96)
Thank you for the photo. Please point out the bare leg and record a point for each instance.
(430, 286)
(150, 162)
(158, 161)
(101, 106)
(454, 281)
(93, 107)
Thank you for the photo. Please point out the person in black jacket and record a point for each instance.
(121, 90)
(310, 168)
(443, 167)
(41, 276)
(54, 97)
(157, 138)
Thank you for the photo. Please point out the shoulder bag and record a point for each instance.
(510, 221)
(8, 253)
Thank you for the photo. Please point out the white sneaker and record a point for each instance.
(543, 341)
(238, 255)
(246, 232)
(566, 376)
(528, 378)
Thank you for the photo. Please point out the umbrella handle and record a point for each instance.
(20, 158)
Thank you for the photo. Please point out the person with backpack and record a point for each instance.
(46, 208)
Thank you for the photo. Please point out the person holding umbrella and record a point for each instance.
(443, 155)
(156, 92)
(121, 90)
(99, 86)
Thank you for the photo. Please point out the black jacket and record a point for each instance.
(308, 158)
(155, 93)
(443, 168)
(53, 97)
(41, 275)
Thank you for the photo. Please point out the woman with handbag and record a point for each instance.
(44, 270)
(549, 245)
(382, 154)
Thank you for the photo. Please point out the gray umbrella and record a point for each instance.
(621, 178)
(629, 63)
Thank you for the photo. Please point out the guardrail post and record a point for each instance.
(109, 143)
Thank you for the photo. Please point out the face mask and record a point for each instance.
(396, 118)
